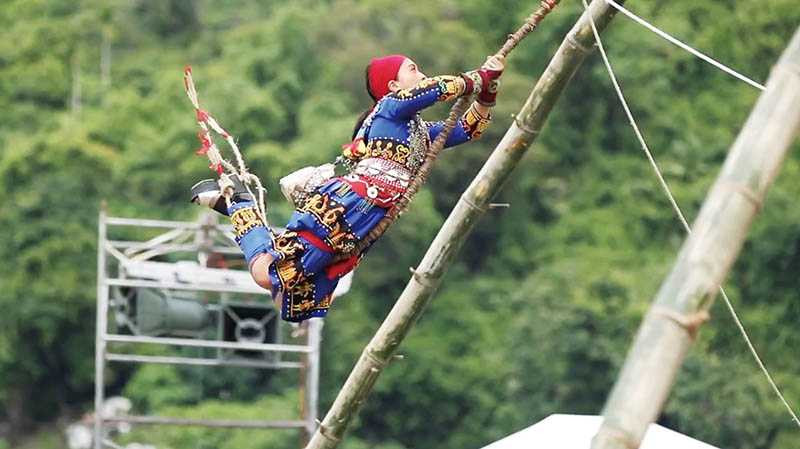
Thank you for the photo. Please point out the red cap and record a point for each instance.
(380, 71)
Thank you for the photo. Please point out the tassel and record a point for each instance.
(205, 143)
(343, 190)
(365, 205)
(354, 150)
(217, 168)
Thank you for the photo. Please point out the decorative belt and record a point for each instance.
(383, 173)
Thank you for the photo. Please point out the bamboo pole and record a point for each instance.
(688, 292)
(473, 202)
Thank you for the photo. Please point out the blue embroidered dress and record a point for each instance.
(389, 149)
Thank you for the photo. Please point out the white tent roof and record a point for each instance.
(576, 432)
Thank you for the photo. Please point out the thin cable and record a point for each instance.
(680, 44)
(677, 209)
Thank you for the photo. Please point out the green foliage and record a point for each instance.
(536, 316)
(40, 440)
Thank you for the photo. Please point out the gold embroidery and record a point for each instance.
(244, 220)
(325, 302)
(427, 82)
(401, 154)
(315, 205)
(373, 148)
(287, 245)
(288, 273)
(340, 239)
(392, 151)
(475, 123)
(404, 94)
(330, 214)
(306, 304)
(387, 152)
(298, 287)
(304, 289)
(450, 87)
(303, 306)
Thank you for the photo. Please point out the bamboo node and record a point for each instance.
(691, 322)
(525, 128)
(420, 277)
(743, 190)
(572, 41)
(323, 430)
(377, 361)
(472, 205)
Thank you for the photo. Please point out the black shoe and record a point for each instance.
(208, 193)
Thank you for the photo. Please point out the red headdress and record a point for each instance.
(380, 71)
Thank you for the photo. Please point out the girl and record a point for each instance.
(389, 145)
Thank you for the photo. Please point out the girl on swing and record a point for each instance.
(389, 145)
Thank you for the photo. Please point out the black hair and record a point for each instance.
(364, 114)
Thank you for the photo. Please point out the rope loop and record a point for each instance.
(218, 164)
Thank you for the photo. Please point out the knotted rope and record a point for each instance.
(219, 164)
(224, 168)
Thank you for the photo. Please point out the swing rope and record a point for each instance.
(458, 109)
(225, 168)
(219, 164)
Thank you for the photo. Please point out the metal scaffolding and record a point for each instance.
(167, 269)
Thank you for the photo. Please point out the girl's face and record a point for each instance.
(408, 76)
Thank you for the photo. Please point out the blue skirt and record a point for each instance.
(331, 221)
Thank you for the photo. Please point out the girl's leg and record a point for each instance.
(259, 270)
(252, 235)
(255, 241)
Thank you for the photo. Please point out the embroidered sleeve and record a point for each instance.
(407, 102)
(469, 127)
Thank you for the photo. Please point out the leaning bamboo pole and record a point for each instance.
(473, 202)
(688, 292)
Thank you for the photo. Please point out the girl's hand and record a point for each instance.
(490, 71)
(495, 63)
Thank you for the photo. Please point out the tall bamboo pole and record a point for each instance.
(473, 202)
(687, 294)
